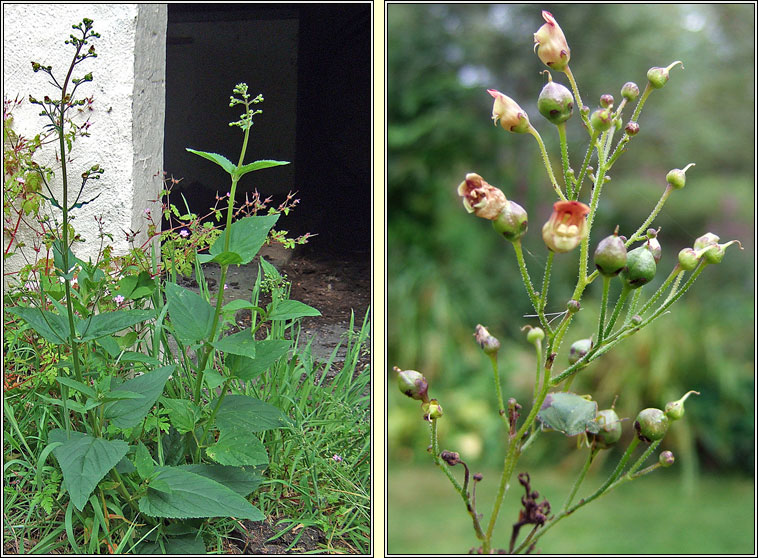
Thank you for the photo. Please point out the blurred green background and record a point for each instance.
(448, 271)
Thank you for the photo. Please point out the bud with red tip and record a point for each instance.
(413, 384)
(630, 91)
(550, 44)
(508, 113)
(666, 459)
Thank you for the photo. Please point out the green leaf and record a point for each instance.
(241, 343)
(247, 237)
(78, 386)
(191, 315)
(242, 481)
(107, 323)
(220, 160)
(224, 258)
(187, 545)
(569, 413)
(84, 461)
(257, 165)
(267, 353)
(129, 412)
(174, 447)
(53, 327)
(133, 287)
(292, 309)
(143, 462)
(212, 378)
(237, 447)
(182, 413)
(243, 411)
(194, 495)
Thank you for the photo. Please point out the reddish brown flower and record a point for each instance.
(551, 44)
(481, 198)
(567, 226)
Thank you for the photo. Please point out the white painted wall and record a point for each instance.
(129, 104)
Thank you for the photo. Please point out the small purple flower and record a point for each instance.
(337, 458)
(226, 286)
(118, 299)
(147, 211)
(184, 233)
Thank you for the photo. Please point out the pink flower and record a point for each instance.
(184, 233)
(118, 299)
(551, 44)
(337, 458)
(508, 113)
(567, 226)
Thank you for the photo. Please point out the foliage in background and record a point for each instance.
(441, 60)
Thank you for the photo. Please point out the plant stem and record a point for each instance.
(625, 290)
(546, 161)
(640, 232)
(546, 280)
(603, 305)
(529, 287)
(593, 452)
(567, 181)
(578, 97)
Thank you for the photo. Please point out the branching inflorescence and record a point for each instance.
(569, 228)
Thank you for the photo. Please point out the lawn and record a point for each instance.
(648, 516)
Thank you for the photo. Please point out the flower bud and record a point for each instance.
(708, 239)
(432, 410)
(610, 429)
(579, 349)
(567, 226)
(601, 119)
(651, 425)
(676, 177)
(510, 115)
(610, 255)
(659, 76)
(666, 459)
(535, 335)
(675, 409)
(481, 198)
(632, 128)
(640, 267)
(452, 458)
(606, 101)
(688, 259)
(412, 383)
(573, 306)
(715, 253)
(556, 103)
(654, 247)
(512, 222)
(630, 91)
(489, 344)
(551, 45)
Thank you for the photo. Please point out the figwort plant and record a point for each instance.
(153, 428)
(631, 260)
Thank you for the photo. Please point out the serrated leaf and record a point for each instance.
(84, 461)
(191, 315)
(257, 165)
(237, 447)
(100, 325)
(143, 462)
(247, 237)
(53, 327)
(182, 414)
(569, 413)
(194, 495)
(292, 309)
(241, 343)
(129, 412)
(242, 481)
(245, 412)
(220, 160)
(267, 352)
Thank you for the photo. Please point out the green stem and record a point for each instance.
(603, 305)
(528, 284)
(641, 232)
(585, 164)
(625, 290)
(546, 280)
(583, 473)
(567, 181)
(499, 391)
(580, 105)
(546, 161)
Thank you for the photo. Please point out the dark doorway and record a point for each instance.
(312, 63)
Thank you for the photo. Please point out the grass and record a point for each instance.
(647, 516)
